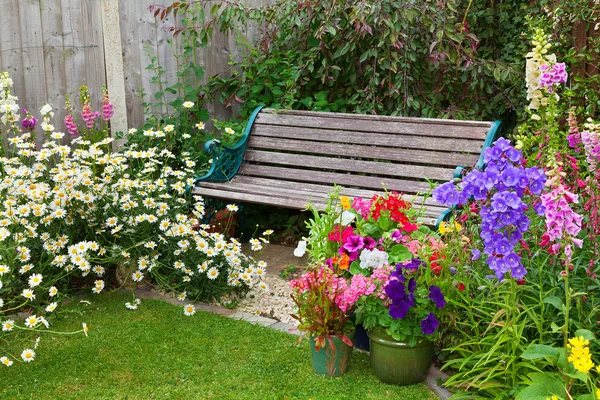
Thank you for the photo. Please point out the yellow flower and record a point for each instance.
(345, 202)
(598, 393)
(580, 355)
(457, 226)
(552, 398)
(443, 228)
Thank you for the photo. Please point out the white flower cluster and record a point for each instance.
(534, 60)
(76, 210)
(373, 258)
(9, 109)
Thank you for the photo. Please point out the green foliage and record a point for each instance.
(457, 59)
(288, 271)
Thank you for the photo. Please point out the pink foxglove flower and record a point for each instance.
(71, 125)
(107, 108)
(88, 116)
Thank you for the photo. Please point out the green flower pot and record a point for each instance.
(396, 362)
(331, 361)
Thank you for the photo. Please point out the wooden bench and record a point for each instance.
(290, 158)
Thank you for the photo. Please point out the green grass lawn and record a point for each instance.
(158, 353)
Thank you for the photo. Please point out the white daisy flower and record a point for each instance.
(28, 355)
(189, 310)
(3, 269)
(181, 296)
(137, 276)
(31, 321)
(188, 104)
(85, 328)
(51, 307)
(132, 131)
(28, 294)
(200, 125)
(8, 325)
(130, 306)
(229, 131)
(35, 280)
(5, 361)
(213, 273)
(53, 291)
(232, 207)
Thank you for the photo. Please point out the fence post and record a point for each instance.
(115, 76)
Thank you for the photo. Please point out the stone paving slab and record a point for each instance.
(258, 320)
(287, 328)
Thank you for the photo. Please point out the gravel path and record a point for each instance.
(276, 303)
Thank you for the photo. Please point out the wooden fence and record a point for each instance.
(52, 47)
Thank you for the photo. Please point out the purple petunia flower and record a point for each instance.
(399, 310)
(436, 295)
(395, 290)
(369, 243)
(396, 236)
(354, 243)
(429, 324)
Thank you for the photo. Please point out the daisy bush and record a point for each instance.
(70, 215)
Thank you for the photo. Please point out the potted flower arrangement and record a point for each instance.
(356, 236)
(323, 300)
(401, 315)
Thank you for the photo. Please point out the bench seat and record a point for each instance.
(288, 158)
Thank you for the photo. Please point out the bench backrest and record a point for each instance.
(362, 150)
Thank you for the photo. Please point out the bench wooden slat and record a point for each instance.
(370, 152)
(319, 199)
(457, 131)
(345, 191)
(327, 114)
(296, 203)
(370, 167)
(304, 175)
(378, 139)
(299, 204)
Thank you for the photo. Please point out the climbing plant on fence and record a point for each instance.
(457, 59)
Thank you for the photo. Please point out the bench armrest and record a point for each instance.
(226, 161)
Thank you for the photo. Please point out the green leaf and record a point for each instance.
(555, 328)
(355, 268)
(544, 385)
(399, 254)
(578, 375)
(369, 228)
(384, 223)
(587, 335)
(555, 301)
(586, 397)
(535, 351)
